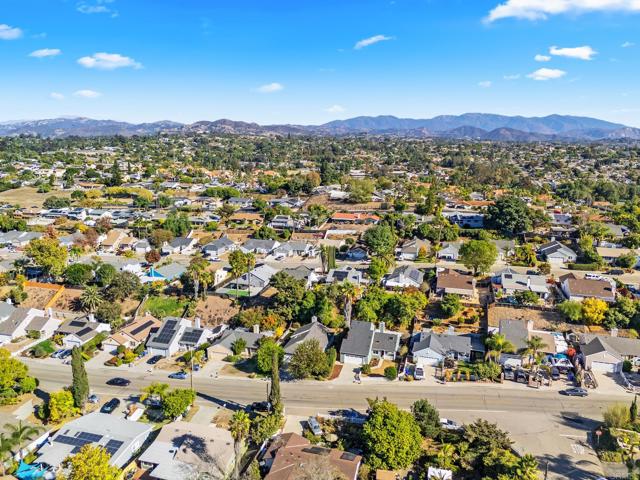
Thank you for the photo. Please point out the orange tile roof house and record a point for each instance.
(290, 451)
(343, 217)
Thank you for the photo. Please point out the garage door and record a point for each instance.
(603, 367)
(353, 359)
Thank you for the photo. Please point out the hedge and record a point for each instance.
(585, 267)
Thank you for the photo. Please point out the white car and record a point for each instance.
(418, 373)
(593, 276)
(314, 426)
(447, 424)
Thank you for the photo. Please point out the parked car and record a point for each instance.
(575, 392)
(93, 398)
(110, 406)
(314, 426)
(555, 373)
(615, 271)
(57, 353)
(65, 354)
(181, 375)
(418, 373)
(447, 424)
(264, 407)
(119, 382)
(593, 276)
(155, 359)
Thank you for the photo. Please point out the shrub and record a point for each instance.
(33, 334)
(584, 267)
(365, 369)
(391, 373)
(617, 416)
(626, 366)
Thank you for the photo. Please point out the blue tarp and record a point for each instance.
(29, 472)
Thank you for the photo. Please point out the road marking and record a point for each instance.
(578, 449)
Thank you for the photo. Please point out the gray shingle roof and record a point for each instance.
(359, 339)
(310, 331)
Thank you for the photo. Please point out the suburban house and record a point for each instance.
(135, 333)
(465, 219)
(258, 246)
(578, 289)
(240, 202)
(24, 320)
(180, 245)
(78, 331)
(166, 273)
(18, 239)
(344, 274)
(557, 253)
(295, 247)
(412, 249)
(449, 251)
(314, 330)
(404, 277)
(611, 254)
(119, 437)
(183, 450)
(219, 247)
(141, 247)
(430, 348)
(166, 341)
(308, 275)
(288, 451)
(510, 283)
(357, 254)
(283, 222)
(223, 346)
(364, 342)
(606, 353)
(112, 241)
(506, 248)
(357, 218)
(450, 281)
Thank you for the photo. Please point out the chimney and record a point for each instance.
(451, 330)
(614, 332)
(314, 319)
(528, 283)
(529, 325)
(256, 328)
(197, 322)
(92, 317)
(382, 326)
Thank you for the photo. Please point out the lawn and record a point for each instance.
(46, 346)
(161, 307)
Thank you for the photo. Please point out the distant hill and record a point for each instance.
(474, 126)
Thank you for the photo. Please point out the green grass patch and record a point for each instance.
(44, 349)
(164, 306)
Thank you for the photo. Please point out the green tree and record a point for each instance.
(21, 433)
(90, 298)
(239, 427)
(572, 310)
(241, 263)
(478, 255)
(509, 215)
(391, 372)
(49, 254)
(13, 374)
(450, 305)
(60, 406)
(91, 463)
(498, 344)
(178, 224)
(380, 240)
(267, 350)
(124, 285)
(6, 451)
(360, 191)
(287, 302)
(391, 437)
(155, 390)
(427, 417)
(105, 273)
(308, 360)
(628, 260)
(111, 313)
(195, 270)
(239, 346)
(78, 274)
(274, 393)
(80, 382)
(176, 402)
(526, 297)
(378, 268)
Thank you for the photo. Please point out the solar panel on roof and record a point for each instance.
(92, 437)
(84, 331)
(191, 336)
(113, 446)
(317, 450)
(348, 456)
(75, 323)
(141, 328)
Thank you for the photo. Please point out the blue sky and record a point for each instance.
(312, 61)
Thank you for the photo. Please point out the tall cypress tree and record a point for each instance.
(274, 393)
(80, 385)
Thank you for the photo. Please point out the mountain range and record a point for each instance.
(476, 126)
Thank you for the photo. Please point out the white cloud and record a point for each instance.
(87, 94)
(270, 88)
(56, 96)
(335, 109)
(9, 33)
(371, 40)
(45, 52)
(583, 53)
(108, 61)
(512, 77)
(628, 45)
(542, 9)
(542, 58)
(485, 84)
(543, 74)
(99, 6)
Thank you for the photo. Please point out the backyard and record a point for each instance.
(163, 306)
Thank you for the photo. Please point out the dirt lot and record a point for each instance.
(67, 300)
(542, 320)
(37, 297)
(215, 310)
(29, 196)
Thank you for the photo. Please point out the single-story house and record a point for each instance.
(606, 353)
(357, 218)
(166, 273)
(451, 281)
(612, 254)
(121, 438)
(404, 277)
(219, 247)
(308, 275)
(314, 330)
(357, 254)
(431, 348)
(223, 346)
(411, 249)
(134, 333)
(578, 289)
(449, 251)
(183, 450)
(258, 246)
(510, 283)
(180, 245)
(24, 320)
(344, 274)
(364, 342)
(557, 253)
(295, 247)
(288, 451)
(78, 331)
(166, 341)
(111, 242)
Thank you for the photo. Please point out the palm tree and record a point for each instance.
(446, 456)
(90, 299)
(6, 448)
(206, 279)
(239, 428)
(195, 270)
(497, 344)
(534, 345)
(21, 433)
(349, 293)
